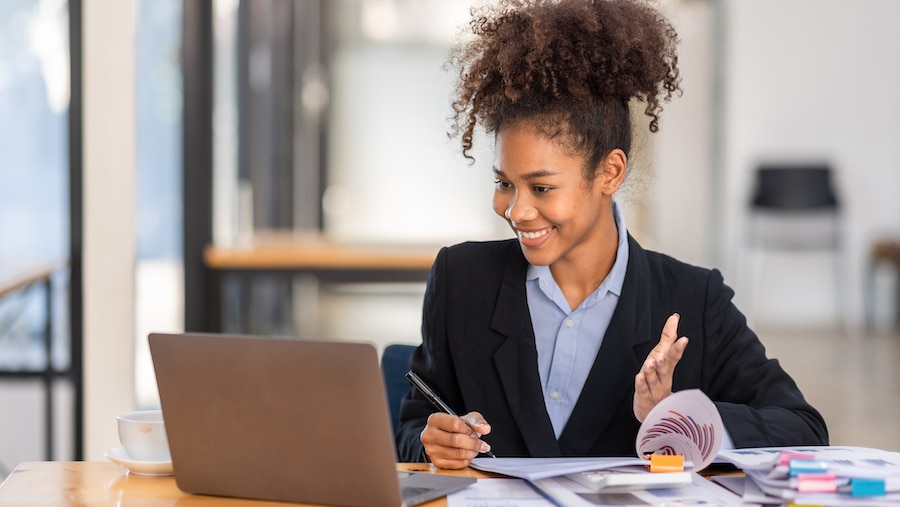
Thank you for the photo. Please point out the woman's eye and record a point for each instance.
(541, 190)
(501, 185)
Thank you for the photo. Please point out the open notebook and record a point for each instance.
(283, 419)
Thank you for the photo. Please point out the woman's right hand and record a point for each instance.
(451, 441)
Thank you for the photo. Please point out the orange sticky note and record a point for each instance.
(666, 463)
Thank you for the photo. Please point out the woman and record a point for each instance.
(559, 342)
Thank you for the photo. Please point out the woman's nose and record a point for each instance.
(519, 210)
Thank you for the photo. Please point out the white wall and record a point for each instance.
(802, 78)
(394, 176)
(679, 201)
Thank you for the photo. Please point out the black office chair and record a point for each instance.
(394, 365)
(795, 207)
(794, 187)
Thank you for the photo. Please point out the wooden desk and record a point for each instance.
(285, 253)
(99, 484)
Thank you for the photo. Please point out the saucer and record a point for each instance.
(149, 468)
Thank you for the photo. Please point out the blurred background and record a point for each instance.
(137, 134)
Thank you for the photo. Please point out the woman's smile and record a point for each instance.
(533, 236)
(542, 193)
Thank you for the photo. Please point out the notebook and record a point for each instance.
(285, 420)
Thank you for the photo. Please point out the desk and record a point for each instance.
(96, 484)
(286, 253)
(16, 279)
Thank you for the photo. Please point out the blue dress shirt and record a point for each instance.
(567, 340)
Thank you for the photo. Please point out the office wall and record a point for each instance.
(800, 79)
(394, 176)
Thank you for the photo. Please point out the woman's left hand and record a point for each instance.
(654, 381)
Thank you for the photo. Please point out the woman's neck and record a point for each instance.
(579, 274)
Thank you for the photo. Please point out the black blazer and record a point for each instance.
(478, 353)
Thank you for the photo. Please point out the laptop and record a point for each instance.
(285, 420)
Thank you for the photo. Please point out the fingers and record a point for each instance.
(659, 368)
(642, 401)
(670, 329)
(452, 442)
(666, 354)
(654, 380)
(477, 423)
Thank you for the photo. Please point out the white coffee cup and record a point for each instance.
(143, 435)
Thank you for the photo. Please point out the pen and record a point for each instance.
(435, 400)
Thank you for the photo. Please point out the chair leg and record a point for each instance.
(840, 308)
(896, 296)
(869, 297)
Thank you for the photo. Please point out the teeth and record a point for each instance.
(534, 235)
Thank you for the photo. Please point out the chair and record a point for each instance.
(883, 253)
(794, 207)
(394, 365)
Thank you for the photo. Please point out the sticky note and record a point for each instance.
(806, 466)
(666, 463)
(786, 457)
(867, 487)
(816, 483)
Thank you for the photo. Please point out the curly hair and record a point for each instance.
(567, 67)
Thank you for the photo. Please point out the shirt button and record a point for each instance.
(569, 323)
(554, 394)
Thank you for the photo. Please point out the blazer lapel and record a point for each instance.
(610, 383)
(516, 360)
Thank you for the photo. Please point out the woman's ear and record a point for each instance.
(611, 171)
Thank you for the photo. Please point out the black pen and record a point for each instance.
(435, 400)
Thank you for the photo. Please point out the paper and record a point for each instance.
(541, 468)
(851, 461)
(771, 474)
(498, 493)
(744, 487)
(685, 423)
(700, 491)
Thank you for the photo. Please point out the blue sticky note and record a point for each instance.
(807, 466)
(867, 487)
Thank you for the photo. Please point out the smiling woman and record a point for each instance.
(559, 217)
(614, 328)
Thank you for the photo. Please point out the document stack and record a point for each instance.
(682, 434)
(815, 475)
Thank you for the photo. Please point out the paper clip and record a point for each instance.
(666, 463)
(816, 483)
(806, 466)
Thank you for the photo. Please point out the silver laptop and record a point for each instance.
(285, 420)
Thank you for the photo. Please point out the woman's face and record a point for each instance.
(541, 192)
